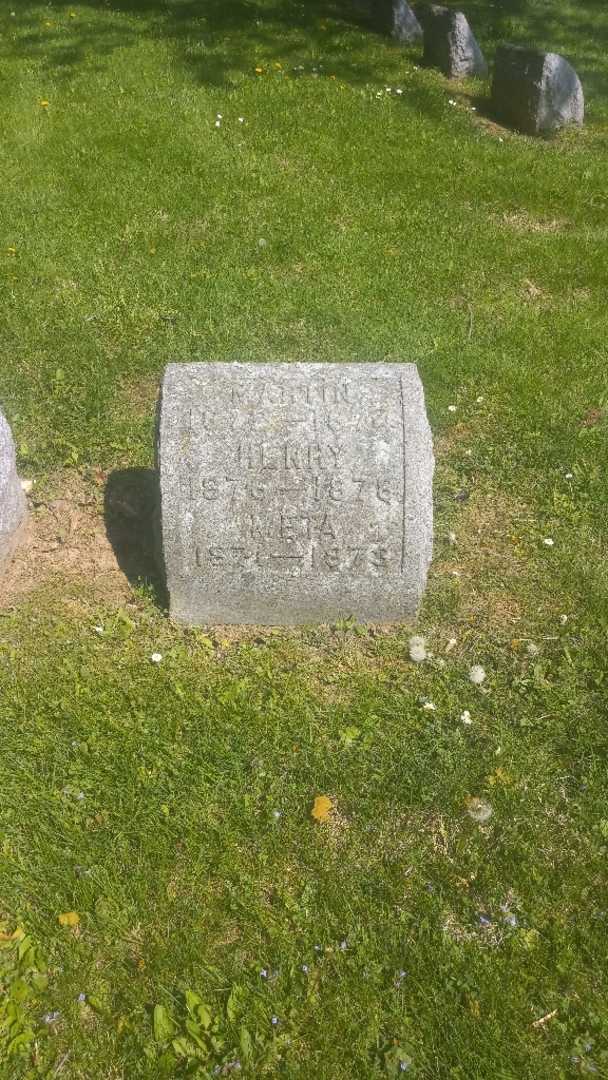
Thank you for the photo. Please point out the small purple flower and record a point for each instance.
(82, 998)
(343, 945)
(274, 1020)
(264, 973)
(484, 921)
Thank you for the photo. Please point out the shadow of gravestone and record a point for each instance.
(130, 512)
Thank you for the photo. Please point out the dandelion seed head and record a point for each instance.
(477, 674)
(479, 810)
(417, 649)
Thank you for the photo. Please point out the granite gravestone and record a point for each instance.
(294, 493)
(12, 499)
(450, 44)
(536, 91)
(397, 18)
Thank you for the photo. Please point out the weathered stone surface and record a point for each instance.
(12, 499)
(449, 43)
(395, 17)
(536, 91)
(294, 493)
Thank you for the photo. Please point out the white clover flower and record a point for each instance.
(452, 408)
(477, 674)
(532, 649)
(418, 651)
(569, 476)
(563, 620)
(452, 538)
(98, 629)
(480, 399)
(451, 101)
(219, 115)
(479, 810)
(548, 541)
(398, 91)
(218, 123)
(264, 973)
(451, 644)
(466, 717)
(429, 706)
(241, 119)
(276, 814)
(156, 658)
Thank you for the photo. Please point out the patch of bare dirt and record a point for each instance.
(93, 530)
(487, 561)
(520, 221)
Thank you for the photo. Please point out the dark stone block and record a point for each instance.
(449, 43)
(395, 17)
(536, 91)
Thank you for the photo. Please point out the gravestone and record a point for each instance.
(395, 17)
(449, 43)
(536, 91)
(293, 493)
(12, 499)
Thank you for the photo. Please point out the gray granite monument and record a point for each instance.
(449, 43)
(294, 492)
(536, 91)
(398, 19)
(12, 499)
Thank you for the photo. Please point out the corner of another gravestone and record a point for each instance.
(13, 506)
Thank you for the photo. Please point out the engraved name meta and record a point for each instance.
(288, 455)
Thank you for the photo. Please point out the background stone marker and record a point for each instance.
(294, 493)
(397, 18)
(449, 43)
(12, 499)
(536, 91)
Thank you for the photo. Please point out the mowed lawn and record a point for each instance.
(222, 179)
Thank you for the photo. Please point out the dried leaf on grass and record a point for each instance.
(322, 808)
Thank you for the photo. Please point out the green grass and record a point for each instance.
(169, 805)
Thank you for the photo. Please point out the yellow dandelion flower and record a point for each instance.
(44, 104)
(11, 250)
(259, 70)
